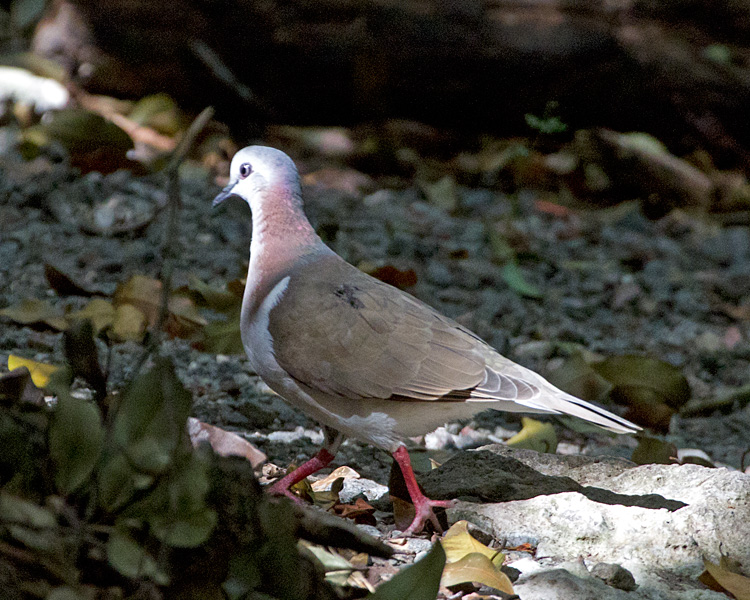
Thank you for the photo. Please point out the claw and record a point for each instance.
(423, 506)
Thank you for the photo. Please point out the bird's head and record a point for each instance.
(256, 170)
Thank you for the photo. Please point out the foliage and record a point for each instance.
(113, 495)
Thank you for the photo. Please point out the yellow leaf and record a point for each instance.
(476, 567)
(129, 324)
(736, 584)
(144, 293)
(40, 372)
(458, 543)
(535, 435)
(100, 312)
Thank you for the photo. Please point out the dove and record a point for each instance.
(359, 356)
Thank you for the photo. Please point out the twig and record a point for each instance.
(220, 70)
(169, 247)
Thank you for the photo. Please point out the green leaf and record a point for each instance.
(118, 482)
(628, 373)
(514, 277)
(157, 111)
(130, 559)
(178, 513)
(653, 451)
(223, 337)
(76, 438)
(65, 593)
(443, 193)
(186, 532)
(577, 377)
(244, 575)
(22, 512)
(79, 131)
(208, 296)
(420, 581)
(32, 525)
(155, 406)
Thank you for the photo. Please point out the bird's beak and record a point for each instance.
(224, 194)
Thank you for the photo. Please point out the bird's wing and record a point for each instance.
(339, 331)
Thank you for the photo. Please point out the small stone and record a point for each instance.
(439, 274)
(370, 530)
(615, 576)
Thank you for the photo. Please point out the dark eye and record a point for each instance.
(245, 170)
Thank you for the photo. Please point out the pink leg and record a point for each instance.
(317, 462)
(422, 504)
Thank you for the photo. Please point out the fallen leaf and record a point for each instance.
(732, 337)
(184, 320)
(458, 543)
(224, 443)
(443, 193)
(360, 512)
(337, 569)
(64, 284)
(535, 435)
(550, 208)
(93, 142)
(627, 372)
(577, 377)
(208, 296)
(144, 293)
(654, 451)
(735, 583)
(514, 277)
(476, 567)
(348, 181)
(40, 372)
(395, 277)
(36, 312)
(99, 311)
(420, 581)
(158, 112)
(129, 324)
(343, 472)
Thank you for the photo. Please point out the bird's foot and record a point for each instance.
(424, 513)
(423, 506)
(283, 485)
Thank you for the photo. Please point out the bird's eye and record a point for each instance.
(245, 170)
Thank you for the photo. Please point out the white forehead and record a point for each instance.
(270, 163)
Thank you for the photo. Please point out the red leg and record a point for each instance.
(422, 504)
(317, 462)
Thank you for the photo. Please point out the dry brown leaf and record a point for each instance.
(360, 512)
(736, 584)
(224, 443)
(395, 277)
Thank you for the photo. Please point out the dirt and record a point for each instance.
(612, 282)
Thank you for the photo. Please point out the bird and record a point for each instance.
(363, 358)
